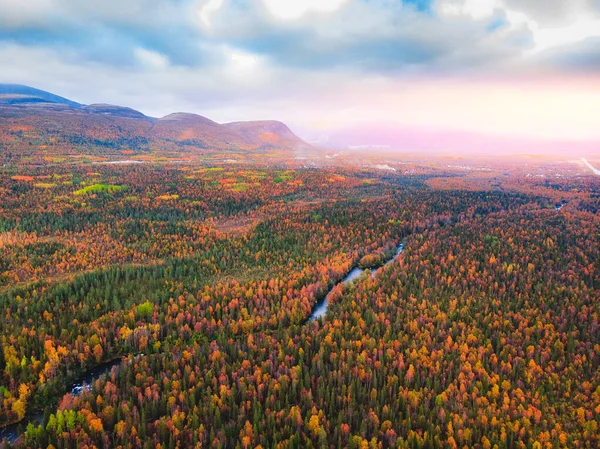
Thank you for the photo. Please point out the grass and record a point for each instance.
(282, 177)
(97, 188)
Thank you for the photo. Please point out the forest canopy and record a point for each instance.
(187, 290)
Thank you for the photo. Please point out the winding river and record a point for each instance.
(320, 308)
(12, 433)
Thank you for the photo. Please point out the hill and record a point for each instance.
(38, 126)
(196, 130)
(19, 94)
(269, 132)
(118, 111)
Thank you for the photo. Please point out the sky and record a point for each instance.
(511, 68)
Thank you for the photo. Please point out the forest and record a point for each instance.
(193, 285)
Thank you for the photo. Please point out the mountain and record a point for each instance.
(36, 124)
(13, 94)
(269, 132)
(117, 111)
(196, 130)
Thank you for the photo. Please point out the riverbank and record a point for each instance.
(320, 308)
(12, 432)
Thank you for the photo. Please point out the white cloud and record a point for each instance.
(14, 15)
(244, 68)
(151, 59)
(475, 9)
(295, 9)
(207, 10)
(551, 27)
(243, 59)
(552, 23)
(480, 9)
(547, 38)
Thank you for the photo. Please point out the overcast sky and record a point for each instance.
(510, 67)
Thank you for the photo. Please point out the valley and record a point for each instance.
(210, 271)
(225, 292)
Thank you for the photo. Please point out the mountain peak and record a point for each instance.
(268, 132)
(18, 94)
(187, 117)
(109, 109)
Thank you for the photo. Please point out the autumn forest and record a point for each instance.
(188, 288)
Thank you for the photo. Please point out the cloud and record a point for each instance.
(15, 16)
(379, 36)
(207, 9)
(546, 38)
(476, 9)
(312, 63)
(583, 56)
(151, 59)
(552, 23)
(107, 31)
(295, 9)
(553, 13)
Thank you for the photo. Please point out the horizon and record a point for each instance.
(499, 69)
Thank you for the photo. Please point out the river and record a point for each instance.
(84, 383)
(320, 308)
(36, 418)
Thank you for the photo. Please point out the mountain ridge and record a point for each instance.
(22, 94)
(31, 117)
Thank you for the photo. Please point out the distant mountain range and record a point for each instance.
(34, 122)
(38, 126)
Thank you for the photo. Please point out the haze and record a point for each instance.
(514, 69)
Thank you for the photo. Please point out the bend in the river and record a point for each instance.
(11, 432)
(320, 308)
